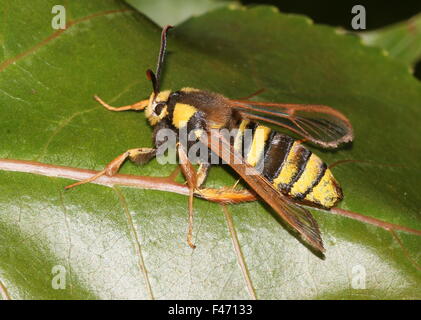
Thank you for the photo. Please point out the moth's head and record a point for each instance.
(157, 105)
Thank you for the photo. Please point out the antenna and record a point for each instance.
(149, 73)
(151, 76)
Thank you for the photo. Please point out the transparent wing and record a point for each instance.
(297, 217)
(319, 124)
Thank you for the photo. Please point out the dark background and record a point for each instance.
(380, 13)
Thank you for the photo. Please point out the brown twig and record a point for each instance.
(49, 170)
(166, 184)
(142, 182)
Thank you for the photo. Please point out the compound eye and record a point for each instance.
(159, 107)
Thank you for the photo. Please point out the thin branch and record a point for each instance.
(222, 195)
(49, 170)
(169, 185)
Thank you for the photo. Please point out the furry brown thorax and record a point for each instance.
(180, 106)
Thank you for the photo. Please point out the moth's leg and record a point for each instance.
(137, 106)
(202, 173)
(225, 195)
(191, 177)
(138, 155)
(304, 140)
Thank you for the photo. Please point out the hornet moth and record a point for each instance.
(284, 173)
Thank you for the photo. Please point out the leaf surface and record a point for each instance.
(130, 244)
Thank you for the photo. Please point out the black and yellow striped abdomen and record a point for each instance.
(287, 164)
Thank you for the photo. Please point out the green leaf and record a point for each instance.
(402, 40)
(165, 12)
(105, 238)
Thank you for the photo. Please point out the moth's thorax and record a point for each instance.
(189, 105)
(157, 107)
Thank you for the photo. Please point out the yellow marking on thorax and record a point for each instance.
(182, 114)
(261, 134)
(325, 193)
(309, 175)
(238, 138)
(289, 168)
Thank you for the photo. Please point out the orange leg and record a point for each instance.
(139, 156)
(137, 106)
(236, 184)
(226, 195)
(202, 173)
(191, 177)
(304, 140)
(195, 179)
